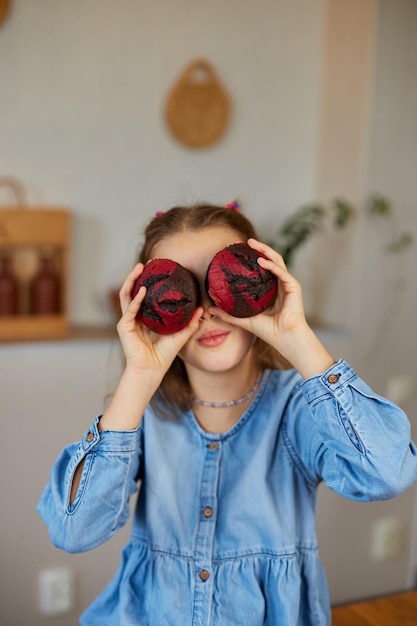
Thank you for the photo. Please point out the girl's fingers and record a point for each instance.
(195, 320)
(274, 263)
(280, 271)
(269, 252)
(131, 278)
(128, 320)
(185, 333)
(242, 322)
(134, 305)
(126, 289)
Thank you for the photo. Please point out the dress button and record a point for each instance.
(208, 511)
(204, 575)
(89, 437)
(214, 446)
(333, 378)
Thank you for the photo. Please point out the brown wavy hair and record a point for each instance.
(174, 392)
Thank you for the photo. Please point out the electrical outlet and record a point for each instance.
(56, 588)
(388, 539)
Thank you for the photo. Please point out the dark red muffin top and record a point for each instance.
(172, 295)
(238, 284)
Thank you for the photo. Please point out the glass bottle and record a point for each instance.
(45, 289)
(9, 287)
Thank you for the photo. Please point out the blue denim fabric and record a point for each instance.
(223, 532)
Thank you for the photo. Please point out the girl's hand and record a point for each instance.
(144, 349)
(287, 313)
(284, 325)
(148, 357)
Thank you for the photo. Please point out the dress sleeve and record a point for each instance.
(101, 506)
(355, 440)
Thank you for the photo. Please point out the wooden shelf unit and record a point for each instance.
(25, 233)
(74, 333)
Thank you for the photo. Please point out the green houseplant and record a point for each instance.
(310, 219)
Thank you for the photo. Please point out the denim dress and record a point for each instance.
(223, 530)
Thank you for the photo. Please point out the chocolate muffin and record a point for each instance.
(171, 298)
(238, 284)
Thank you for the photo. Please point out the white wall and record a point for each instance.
(392, 169)
(49, 395)
(81, 116)
(82, 91)
(381, 295)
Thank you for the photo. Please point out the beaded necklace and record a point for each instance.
(222, 405)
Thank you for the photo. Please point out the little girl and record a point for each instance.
(228, 426)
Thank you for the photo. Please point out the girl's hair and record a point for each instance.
(174, 392)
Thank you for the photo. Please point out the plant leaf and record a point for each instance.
(379, 205)
(401, 243)
(343, 212)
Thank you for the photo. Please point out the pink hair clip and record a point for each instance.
(234, 206)
(159, 213)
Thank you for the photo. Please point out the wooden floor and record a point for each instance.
(399, 609)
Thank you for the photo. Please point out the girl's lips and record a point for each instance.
(213, 338)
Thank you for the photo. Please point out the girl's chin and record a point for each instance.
(215, 361)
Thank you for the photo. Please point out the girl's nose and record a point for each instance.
(207, 315)
(206, 302)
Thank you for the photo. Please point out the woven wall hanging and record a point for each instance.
(198, 106)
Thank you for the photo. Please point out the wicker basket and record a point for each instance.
(198, 106)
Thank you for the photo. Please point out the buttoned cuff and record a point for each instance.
(332, 381)
(109, 440)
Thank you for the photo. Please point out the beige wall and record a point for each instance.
(369, 120)
(320, 90)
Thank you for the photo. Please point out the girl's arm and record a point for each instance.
(110, 463)
(355, 440)
(148, 357)
(86, 500)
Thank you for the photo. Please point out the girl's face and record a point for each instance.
(216, 346)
